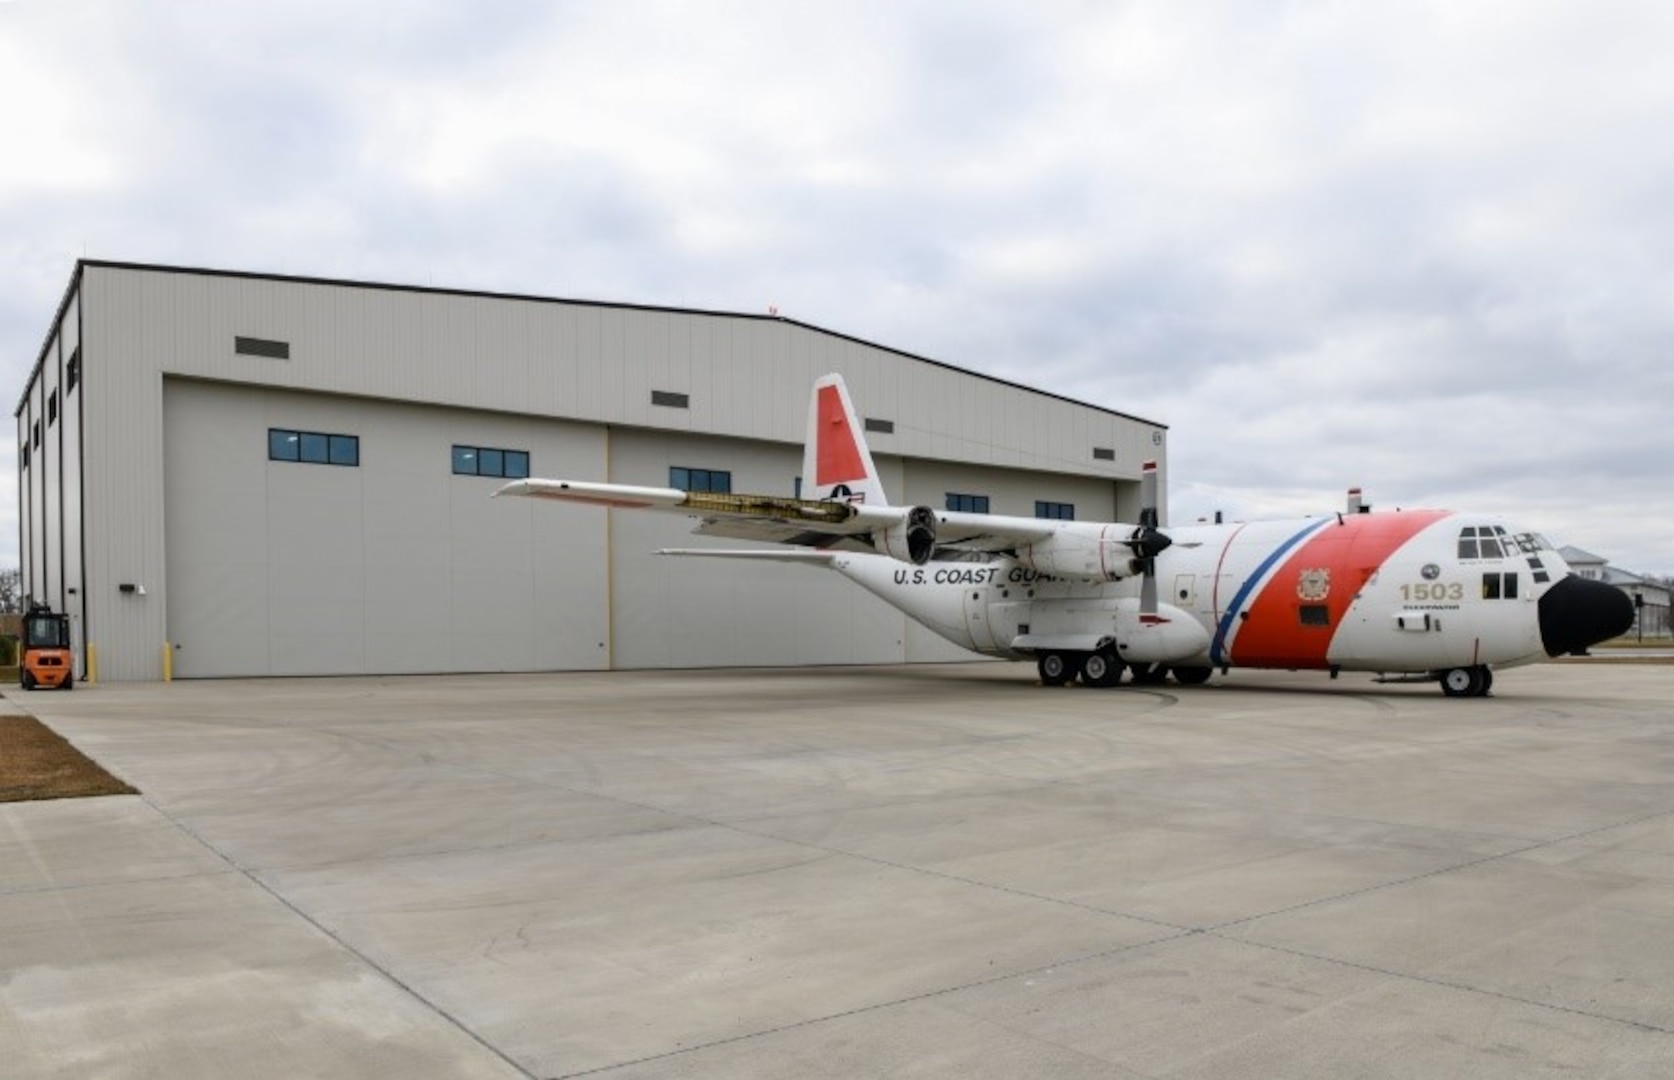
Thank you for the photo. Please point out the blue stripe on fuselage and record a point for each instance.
(1216, 654)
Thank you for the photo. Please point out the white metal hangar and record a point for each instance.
(236, 474)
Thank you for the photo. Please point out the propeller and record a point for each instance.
(1147, 541)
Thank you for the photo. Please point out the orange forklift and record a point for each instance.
(47, 659)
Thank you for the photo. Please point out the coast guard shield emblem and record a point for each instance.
(1314, 585)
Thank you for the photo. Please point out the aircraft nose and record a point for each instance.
(1576, 613)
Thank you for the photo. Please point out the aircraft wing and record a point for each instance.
(819, 524)
(768, 518)
(989, 532)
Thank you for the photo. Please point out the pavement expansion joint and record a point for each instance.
(1448, 984)
(336, 939)
(879, 1006)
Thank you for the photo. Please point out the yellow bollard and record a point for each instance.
(168, 663)
(92, 664)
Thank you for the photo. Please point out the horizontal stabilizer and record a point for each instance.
(801, 556)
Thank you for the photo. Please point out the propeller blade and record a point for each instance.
(1148, 541)
(1148, 589)
(1148, 495)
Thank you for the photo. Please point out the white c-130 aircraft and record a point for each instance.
(1411, 595)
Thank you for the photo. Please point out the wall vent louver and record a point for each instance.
(272, 350)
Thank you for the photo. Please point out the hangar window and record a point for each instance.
(72, 373)
(489, 461)
(37, 439)
(25, 454)
(52, 408)
(714, 480)
(1315, 615)
(969, 504)
(272, 350)
(1104, 453)
(882, 427)
(312, 447)
(1055, 510)
(671, 399)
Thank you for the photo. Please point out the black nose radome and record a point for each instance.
(1576, 613)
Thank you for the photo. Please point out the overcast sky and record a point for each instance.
(1423, 247)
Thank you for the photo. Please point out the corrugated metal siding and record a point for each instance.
(25, 532)
(747, 377)
(129, 321)
(52, 478)
(27, 518)
(75, 586)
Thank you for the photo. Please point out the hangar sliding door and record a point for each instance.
(313, 534)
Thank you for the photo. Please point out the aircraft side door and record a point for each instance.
(977, 623)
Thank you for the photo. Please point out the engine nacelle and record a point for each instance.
(1081, 550)
(911, 539)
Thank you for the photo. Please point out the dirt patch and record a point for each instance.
(37, 763)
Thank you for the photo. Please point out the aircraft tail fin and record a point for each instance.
(836, 464)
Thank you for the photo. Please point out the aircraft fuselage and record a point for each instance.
(1405, 591)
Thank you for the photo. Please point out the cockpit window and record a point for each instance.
(1479, 542)
(1494, 542)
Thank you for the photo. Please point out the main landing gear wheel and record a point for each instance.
(1057, 668)
(1149, 674)
(1466, 681)
(1101, 669)
(1192, 676)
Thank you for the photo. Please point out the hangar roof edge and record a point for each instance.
(302, 279)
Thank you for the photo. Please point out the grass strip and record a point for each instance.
(38, 763)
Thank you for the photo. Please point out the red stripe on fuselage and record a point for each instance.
(837, 457)
(1336, 561)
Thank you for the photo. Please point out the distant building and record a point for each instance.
(252, 474)
(1651, 598)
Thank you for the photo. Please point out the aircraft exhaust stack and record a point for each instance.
(911, 541)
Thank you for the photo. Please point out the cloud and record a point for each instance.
(1422, 248)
